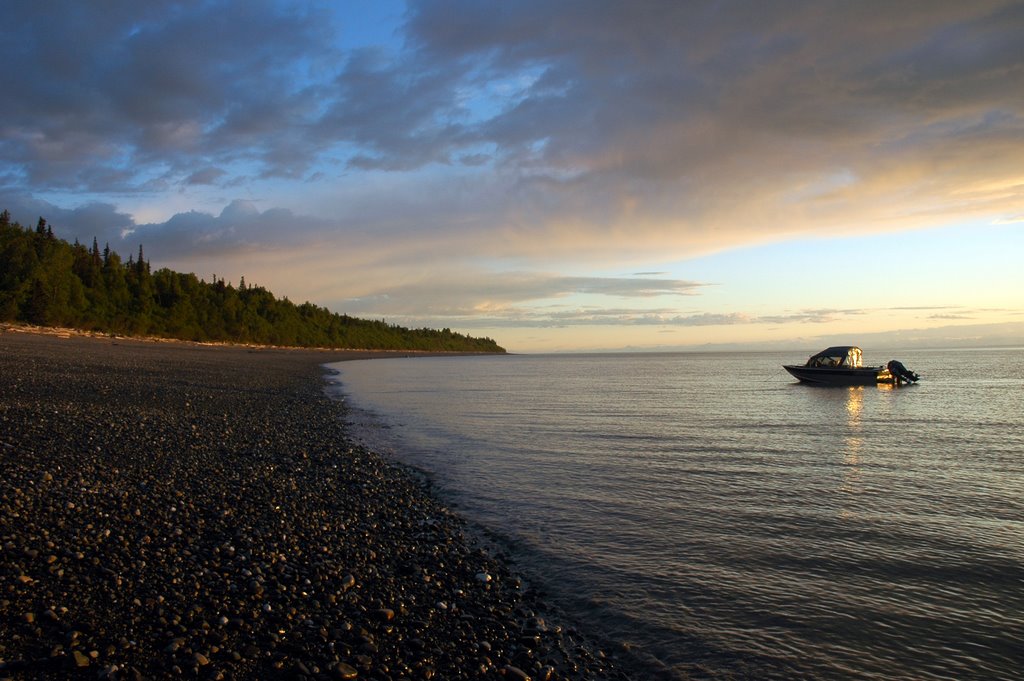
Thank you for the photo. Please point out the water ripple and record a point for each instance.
(749, 528)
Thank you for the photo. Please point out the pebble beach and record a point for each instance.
(172, 510)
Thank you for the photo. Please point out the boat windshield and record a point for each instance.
(847, 357)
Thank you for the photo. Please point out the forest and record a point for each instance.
(47, 281)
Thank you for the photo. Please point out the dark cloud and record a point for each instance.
(621, 94)
(692, 110)
(205, 176)
(101, 221)
(239, 228)
(126, 87)
(402, 114)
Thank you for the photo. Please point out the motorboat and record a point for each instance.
(844, 365)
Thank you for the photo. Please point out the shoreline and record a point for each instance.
(343, 354)
(172, 509)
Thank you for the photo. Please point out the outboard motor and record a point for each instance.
(901, 373)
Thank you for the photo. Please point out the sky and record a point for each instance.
(580, 175)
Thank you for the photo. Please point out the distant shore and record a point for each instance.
(171, 509)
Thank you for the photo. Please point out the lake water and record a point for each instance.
(717, 520)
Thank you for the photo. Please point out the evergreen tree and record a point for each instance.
(45, 280)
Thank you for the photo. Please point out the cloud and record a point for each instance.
(620, 317)
(508, 295)
(155, 88)
(239, 230)
(98, 220)
(950, 316)
(474, 161)
(403, 116)
(818, 316)
(700, 126)
(614, 103)
(205, 176)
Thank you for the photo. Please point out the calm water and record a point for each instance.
(722, 521)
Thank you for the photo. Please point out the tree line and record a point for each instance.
(50, 282)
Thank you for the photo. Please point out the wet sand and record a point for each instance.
(169, 510)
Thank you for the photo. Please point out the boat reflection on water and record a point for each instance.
(844, 365)
(852, 483)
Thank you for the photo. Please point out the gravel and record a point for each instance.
(170, 510)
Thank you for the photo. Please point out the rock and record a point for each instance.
(131, 530)
(345, 671)
(515, 673)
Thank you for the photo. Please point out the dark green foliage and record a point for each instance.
(47, 281)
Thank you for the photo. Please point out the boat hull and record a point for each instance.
(839, 375)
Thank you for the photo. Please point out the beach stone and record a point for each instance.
(207, 504)
(515, 673)
(345, 671)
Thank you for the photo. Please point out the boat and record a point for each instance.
(844, 365)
